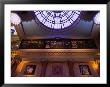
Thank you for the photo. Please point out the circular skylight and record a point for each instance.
(97, 18)
(57, 19)
(15, 19)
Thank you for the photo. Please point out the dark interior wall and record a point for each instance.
(82, 29)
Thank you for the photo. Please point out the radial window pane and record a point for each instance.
(57, 19)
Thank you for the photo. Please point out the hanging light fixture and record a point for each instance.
(15, 19)
(97, 18)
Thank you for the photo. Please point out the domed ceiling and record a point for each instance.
(46, 24)
(57, 19)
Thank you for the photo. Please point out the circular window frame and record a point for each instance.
(60, 29)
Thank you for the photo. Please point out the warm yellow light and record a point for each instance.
(98, 54)
(94, 65)
(14, 53)
(29, 75)
(19, 68)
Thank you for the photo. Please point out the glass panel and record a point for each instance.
(57, 19)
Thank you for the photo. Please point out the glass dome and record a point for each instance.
(57, 19)
(97, 18)
(15, 19)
